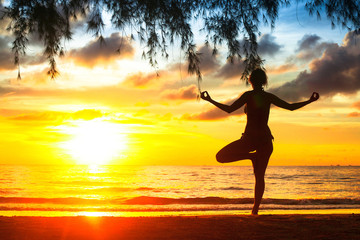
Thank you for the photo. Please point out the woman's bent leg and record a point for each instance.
(260, 164)
(235, 151)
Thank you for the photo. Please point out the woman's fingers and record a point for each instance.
(204, 95)
(315, 96)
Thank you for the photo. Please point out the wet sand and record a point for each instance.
(321, 226)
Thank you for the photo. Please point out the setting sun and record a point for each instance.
(95, 142)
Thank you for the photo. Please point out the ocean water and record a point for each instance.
(56, 190)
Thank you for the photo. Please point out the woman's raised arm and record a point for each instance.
(293, 106)
(227, 108)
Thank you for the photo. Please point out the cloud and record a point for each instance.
(282, 68)
(6, 89)
(336, 71)
(234, 70)
(308, 42)
(96, 53)
(111, 95)
(49, 116)
(6, 56)
(34, 78)
(352, 41)
(356, 105)
(310, 48)
(354, 114)
(214, 113)
(184, 93)
(268, 46)
(140, 80)
(209, 64)
(87, 114)
(34, 43)
(230, 70)
(6, 39)
(4, 23)
(58, 117)
(208, 61)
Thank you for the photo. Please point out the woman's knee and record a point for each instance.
(220, 157)
(224, 156)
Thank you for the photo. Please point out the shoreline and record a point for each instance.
(177, 213)
(281, 226)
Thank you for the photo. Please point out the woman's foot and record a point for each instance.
(254, 214)
(255, 210)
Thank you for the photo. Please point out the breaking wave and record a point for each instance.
(146, 200)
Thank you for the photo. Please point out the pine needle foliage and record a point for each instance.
(158, 23)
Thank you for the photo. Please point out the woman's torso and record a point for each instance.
(257, 110)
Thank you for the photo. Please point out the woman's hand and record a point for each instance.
(315, 96)
(205, 95)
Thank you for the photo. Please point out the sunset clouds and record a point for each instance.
(140, 79)
(214, 113)
(356, 105)
(97, 53)
(267, 45)
(5, 54)
(336, 71)
(157, 106)
(184, 93)
(54, 118)
(355, 114)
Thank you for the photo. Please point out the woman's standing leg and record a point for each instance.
(260, 164)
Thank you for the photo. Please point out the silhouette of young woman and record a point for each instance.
(256, 142)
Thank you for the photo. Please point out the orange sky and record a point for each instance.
(115, 106)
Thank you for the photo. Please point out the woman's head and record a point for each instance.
(258, 78)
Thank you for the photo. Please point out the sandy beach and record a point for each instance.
(322, 226)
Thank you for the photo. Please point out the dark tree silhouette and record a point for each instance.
(157, 23)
